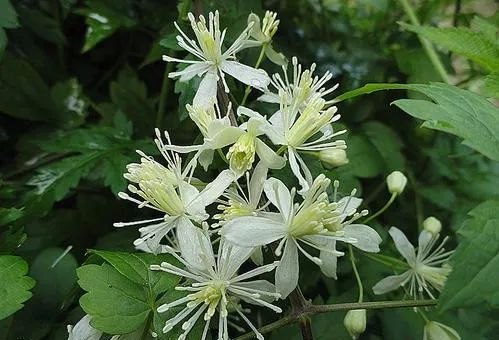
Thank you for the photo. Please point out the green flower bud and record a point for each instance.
(355, 322)
(333, 157)
(396, 182)
(432, 225)
(437, 331)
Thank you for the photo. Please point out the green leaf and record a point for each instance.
(122, 295)
(475, 46)
(23, 93)
(9, 215)
(474, 279)
(117, 305)
(454, 110)
(136, 268)
(14, 285)
(491, 85)
(104, 17)
(458, 112)
(41, 25)
(129, 93)
(8, 19)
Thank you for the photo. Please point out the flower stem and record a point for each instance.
(247, 91)
(356, 272)
(427, 46)
(318, 309)
(382, 210)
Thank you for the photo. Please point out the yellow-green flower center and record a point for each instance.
(241, 155)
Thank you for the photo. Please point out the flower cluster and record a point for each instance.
(213, 228)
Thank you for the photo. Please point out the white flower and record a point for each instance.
(263, 33)
(218, 133)
(214, 284)
(301, 89)
(293, 129)
(168, 191)
(315, 222)
(83, 331)
(212, 63)
(427, 269)
(436, 331)
(396, 182)
(240, 203)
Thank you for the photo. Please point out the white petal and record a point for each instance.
(256, 183)
(232, 257)
(329, 260)
(83, 331)
(367, 238)
(405, 248)
(423, 240)
(279, 195)
(268, 156)
(287, 273)
(252, 231)
(183, 148)
(348, 205)
(213, 190)
(269, 97)
(390, 283)
(244, 111)
(257, 256)
(190, 71)
(194, 245)
(206, 158)
(222, 136)
(295, 168)
(207, 90)
(248, 75)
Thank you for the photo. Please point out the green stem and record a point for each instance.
(318, 309)
(382, 210)
(221, 154)
(247, 91)
(427, 46)
(165, 89)
(423, 315)
(281, 150)
(388, 261)
(356, 272)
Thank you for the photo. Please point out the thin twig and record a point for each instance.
(318, 309)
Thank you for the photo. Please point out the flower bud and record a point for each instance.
(432, 225)
(396, 182)
(242, 153)
(333, 157)
(437, 331)
(355, 322)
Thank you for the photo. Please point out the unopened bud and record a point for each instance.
(437, 331)
(396, 182)
(432, 225)
(333, 157)
(355, 322)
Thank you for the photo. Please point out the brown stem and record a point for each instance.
(223, 103)
(299, 306)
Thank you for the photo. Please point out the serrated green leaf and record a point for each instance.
(136, 268)
(475, 46)
(474, 279)
(14, 285)
(103, 19)
(116, 304)
(491, 85)
(454, 110)
(23, 93)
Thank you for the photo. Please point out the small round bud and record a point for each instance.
(333, 157)
(396, 182)
(437, 331)
(432, 225)
(355, 322)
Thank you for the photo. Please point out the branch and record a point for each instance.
(318, 309)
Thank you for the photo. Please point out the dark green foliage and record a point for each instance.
(82, 87)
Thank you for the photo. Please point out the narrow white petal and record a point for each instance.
(252, 231)
(207, 90)
(232, 258)
(271, 159)
(256, 183)
(367, 238)
(329, 259)
(287, 273)
(390, 283)
(269, 97)
(279, 195)
(194, 245)
(83, 331)
(405, 248)
(248, 75)
(295, 168)
(190, 71)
